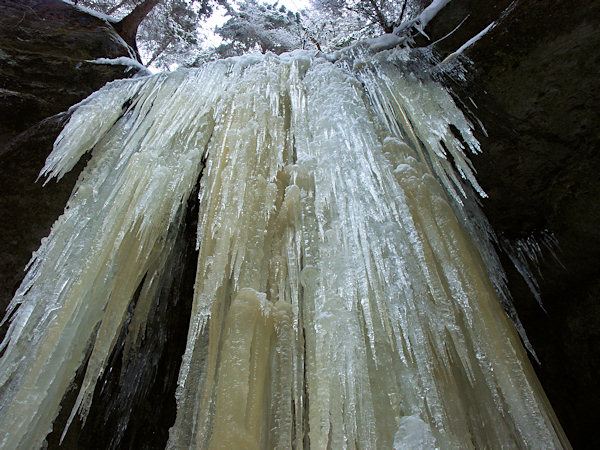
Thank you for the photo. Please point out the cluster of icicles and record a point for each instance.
(341, 298)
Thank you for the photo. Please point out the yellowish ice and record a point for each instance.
(345, 296)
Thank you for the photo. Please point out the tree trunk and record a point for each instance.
(127, 27)
(401, 18)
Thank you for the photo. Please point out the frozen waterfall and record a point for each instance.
(345, 295)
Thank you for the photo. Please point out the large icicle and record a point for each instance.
(342, 296)
(118, 224)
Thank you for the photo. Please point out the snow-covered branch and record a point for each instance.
(131, 63)
(420, 22)
(470, 42)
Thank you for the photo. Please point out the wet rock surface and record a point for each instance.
(45, 48)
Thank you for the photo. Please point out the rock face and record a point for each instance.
(44, 48)
(534, 79)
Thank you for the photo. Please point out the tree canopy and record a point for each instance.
(172, 32)
(376, 15)
(262, 27)
(164, 31)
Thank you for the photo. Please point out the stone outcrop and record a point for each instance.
(45, 52)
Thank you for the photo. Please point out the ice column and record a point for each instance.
(342, 297)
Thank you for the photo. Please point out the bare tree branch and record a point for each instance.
(380, 17)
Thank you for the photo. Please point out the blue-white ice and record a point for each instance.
(342, 298)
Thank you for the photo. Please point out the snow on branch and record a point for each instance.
(421, 21)
(470, 42)
(402, 33)
(92, 12)
(123, 61)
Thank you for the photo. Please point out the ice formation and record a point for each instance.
(343, 296)
(527, 254)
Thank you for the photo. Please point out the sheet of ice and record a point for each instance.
(342, 296)
(442, 151)
(115, 231)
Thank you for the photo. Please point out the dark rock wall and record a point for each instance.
(535, 79)
(44, 48)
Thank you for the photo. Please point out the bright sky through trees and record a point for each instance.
(189, 32)
(218, 18)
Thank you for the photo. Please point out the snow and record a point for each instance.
(292, 5)
(384, 42)
(431, 11)
(469, 43)
(92, 12)
(400, 35)
(123, 61)
(118, 39)
(342, 291)
(423, 19)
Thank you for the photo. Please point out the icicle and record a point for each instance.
(526, 254)
(399, 101)
(345, 289)
(113, 232)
